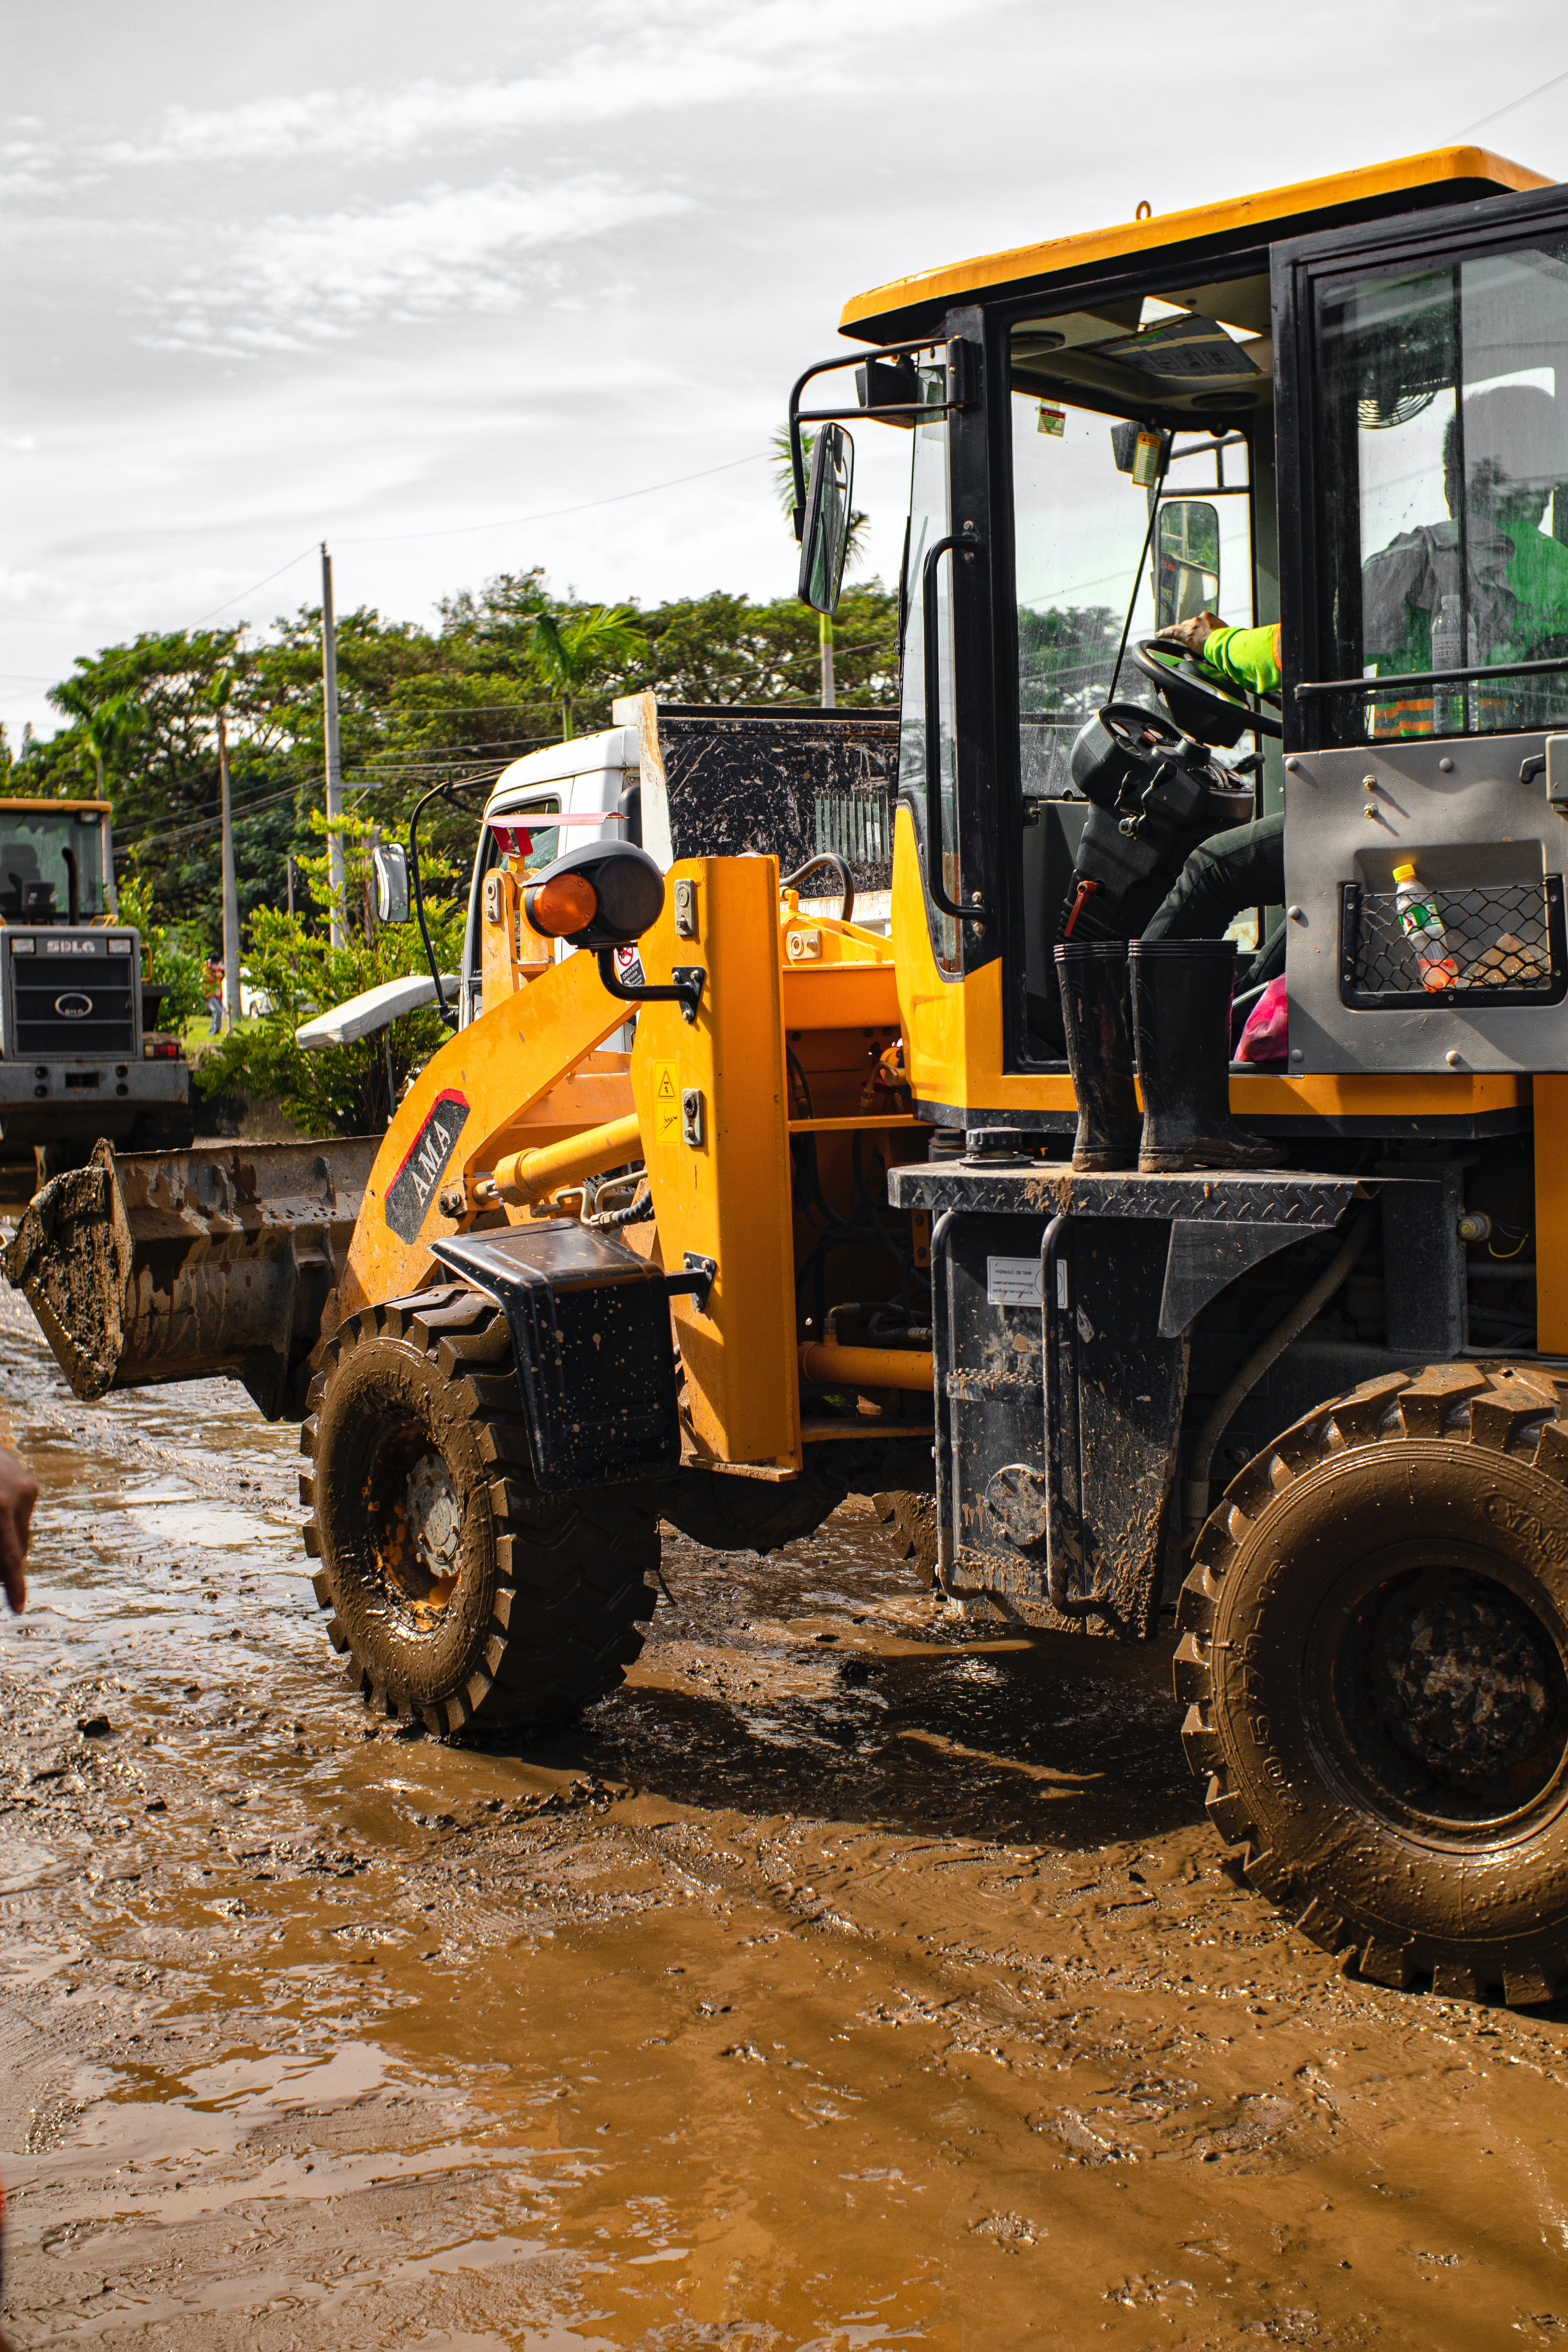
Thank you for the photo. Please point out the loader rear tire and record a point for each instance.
(1374, 1643)
(460, 1595)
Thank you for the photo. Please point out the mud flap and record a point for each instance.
(594, 1352)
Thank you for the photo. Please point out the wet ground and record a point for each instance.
(855, 1979)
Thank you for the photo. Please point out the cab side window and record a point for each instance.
(1446, 411)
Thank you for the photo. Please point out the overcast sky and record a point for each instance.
(405, 276)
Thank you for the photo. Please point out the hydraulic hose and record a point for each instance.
(842, 875)
(1195, 1486)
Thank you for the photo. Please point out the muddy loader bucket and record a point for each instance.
(179, 1265)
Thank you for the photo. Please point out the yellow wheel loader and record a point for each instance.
(1149, 1288)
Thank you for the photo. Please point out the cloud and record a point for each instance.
(291, 283)
(700, 55)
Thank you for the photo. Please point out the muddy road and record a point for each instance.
(857, 1977)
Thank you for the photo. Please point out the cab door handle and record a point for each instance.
(975, 913)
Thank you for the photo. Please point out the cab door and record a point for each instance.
(1424, 422)
(947, 716)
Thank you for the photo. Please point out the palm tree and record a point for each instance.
(572, 653)
(854, 538)
(104, 727)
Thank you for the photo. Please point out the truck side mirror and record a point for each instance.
(1186, 562)
(825, 539)
(389, 864)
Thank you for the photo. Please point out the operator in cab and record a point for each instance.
(1246, 866)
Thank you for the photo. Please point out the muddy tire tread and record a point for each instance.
(573, 1593)
(1512, 1409)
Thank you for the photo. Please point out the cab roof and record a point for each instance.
(58, 808)
(908, 308)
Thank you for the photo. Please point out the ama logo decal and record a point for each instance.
(412, 1188)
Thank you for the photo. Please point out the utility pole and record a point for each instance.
(289, 870)
(231, 995)
(335, 878)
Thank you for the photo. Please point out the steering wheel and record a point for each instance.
(1197, 699)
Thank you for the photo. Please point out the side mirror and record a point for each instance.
(825, 539)
(1186, 562)
(389, 864)
(605, 894)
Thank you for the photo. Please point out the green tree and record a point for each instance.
(573, 652)
(341, 1089)
(169, 958)
(418, 707)
(103, 726)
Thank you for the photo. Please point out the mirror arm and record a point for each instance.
(977, 913)
(799, 416)
(448, 1011)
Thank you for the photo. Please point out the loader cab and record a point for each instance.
(1228, 409)
(55, 864)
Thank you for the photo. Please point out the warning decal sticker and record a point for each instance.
(412, 1188)
(666, 1102)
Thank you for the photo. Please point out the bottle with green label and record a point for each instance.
(1423, 925)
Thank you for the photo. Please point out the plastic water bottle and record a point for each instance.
(1448, 652)
(1423, 925)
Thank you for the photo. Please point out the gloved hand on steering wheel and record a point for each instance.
(1246, 657)
(1193, 634)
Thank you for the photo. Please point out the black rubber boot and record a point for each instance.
(1098, 1029)
(1181, 1027)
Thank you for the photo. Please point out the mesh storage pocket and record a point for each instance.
(1501, 943)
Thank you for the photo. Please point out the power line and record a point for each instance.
(254, 584)
(1538, 91)
(551, 514)
(478, 768)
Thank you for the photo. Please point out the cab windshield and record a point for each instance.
(1124, 522)
(51, 866)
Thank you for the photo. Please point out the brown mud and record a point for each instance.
(857, 1977)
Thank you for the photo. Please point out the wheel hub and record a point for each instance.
(435, 1523)
(1465, 1682)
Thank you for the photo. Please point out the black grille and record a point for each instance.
(47, 993)
(1504, 944)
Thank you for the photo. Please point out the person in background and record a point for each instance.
(213, 978)
(18, 1493)
(1514, 605)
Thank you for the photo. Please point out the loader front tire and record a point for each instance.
(1374, 1643)
(459, 1594)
